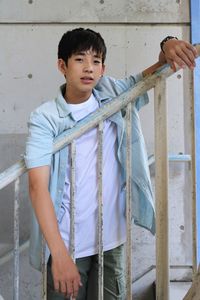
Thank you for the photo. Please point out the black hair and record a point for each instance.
(78, 40)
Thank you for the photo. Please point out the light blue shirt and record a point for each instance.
(54, 118)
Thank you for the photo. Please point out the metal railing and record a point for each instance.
(124, 101)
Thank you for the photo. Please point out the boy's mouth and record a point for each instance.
(87, 79)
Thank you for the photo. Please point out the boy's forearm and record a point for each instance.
(152, 68)
(43, 207)
(46, 217)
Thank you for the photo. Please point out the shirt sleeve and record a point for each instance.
(39, 144)
(130, 82)
(111, 87)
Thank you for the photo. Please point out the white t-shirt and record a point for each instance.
(86, 189)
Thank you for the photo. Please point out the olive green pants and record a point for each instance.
(114, 277)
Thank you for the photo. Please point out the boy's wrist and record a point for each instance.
(59, 250)
(152, 69)
(162, 43)
(57, 247)
(162, 58)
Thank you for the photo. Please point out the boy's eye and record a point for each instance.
(97, 61)
(78, 59)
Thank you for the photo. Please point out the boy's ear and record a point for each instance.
(62, 66)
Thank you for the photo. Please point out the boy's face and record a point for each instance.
(82, 72)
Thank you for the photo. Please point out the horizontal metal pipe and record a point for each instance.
(172, 158)
(12, 173)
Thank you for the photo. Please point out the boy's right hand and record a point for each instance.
(66, 276)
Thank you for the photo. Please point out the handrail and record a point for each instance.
(171, 158)
(19, 168)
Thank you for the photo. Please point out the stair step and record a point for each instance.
(4, 248)
(178, 290)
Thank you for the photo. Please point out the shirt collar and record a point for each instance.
(63, 107)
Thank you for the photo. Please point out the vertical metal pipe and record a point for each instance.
(44, 270)
(100, 212)
(161, 191)
(72, 200)
(16, 241)
(128, 203)
(195, 37)
(194, 183)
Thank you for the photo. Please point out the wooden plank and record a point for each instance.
(128, 203)
(161, 191)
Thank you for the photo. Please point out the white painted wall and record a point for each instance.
(29, 34)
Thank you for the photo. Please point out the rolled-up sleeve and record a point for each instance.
(114, 87)
(130, 82)
(39, 144)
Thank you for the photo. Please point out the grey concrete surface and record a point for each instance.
(178, 290)
(95, 11)
(29, 286)
(12, 146)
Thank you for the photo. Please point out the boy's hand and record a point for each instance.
(66, 277)
(178, 52)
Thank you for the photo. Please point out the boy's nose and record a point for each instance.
(88, 67)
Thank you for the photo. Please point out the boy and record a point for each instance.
(81, 57)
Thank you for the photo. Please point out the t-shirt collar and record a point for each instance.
(63, 107)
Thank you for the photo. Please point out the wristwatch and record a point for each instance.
(165, 40)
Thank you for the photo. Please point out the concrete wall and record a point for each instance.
(29, 34)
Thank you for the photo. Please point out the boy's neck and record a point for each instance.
(76, 98)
